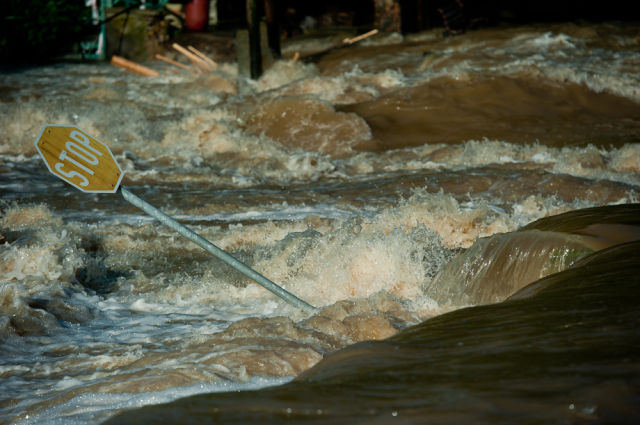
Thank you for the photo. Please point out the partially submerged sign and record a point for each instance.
(79, 159)
(87, 163)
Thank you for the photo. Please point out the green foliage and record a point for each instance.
(37, 30)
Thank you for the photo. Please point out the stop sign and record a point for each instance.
(79, 159)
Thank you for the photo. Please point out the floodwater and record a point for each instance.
(462, 212)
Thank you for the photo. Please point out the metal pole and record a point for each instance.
(272, 17)
(253, 21)
(217, 252)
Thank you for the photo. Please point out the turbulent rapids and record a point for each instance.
(463, 211)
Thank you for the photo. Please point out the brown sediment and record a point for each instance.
(206, 83)
(584, 268)
(518, 109)
(565, 187)
(307, 123)
(372, 58)
(212, 161)
(498, 266)
(265, 347)
(524, 358)
(605, 226)
(576, 221)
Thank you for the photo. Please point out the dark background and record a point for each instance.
(39, 30)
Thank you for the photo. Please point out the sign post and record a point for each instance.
(88, 164)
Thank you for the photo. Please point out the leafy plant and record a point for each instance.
(37, 30)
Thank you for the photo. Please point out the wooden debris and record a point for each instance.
(360, 37)
(133, 67)
(200, 63)
(296, 56)
(172, 62)
(204, 57)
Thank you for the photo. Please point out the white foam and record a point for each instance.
(549, 39)
(325, 250)
(91, 408)
(283, 213)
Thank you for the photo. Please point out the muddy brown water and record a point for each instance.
(397, 185)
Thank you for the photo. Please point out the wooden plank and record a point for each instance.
(172, 62)
(204, 57)
(133, 67)
(193, 58)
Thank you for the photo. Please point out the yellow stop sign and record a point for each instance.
(79, 159)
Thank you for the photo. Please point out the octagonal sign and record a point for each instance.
(79, 159)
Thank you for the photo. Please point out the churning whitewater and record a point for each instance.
(386, 183)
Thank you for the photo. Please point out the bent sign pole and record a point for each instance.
(88, 164)
(215, 251)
